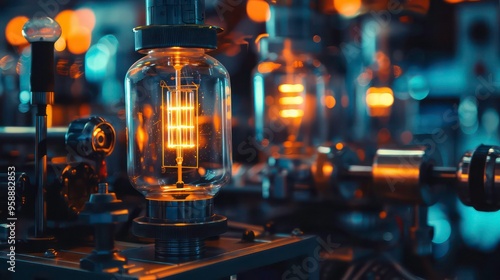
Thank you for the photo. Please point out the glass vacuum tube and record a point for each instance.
(178, 120)
(178, 106)
(289, 97)
(289, 85)
(178, 117)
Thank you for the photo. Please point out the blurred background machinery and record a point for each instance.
(360, 122)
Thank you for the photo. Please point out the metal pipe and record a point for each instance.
(42, 33)
(40, 169)
(359, 171)
(26, 134)
(439, 174)
(444, 175)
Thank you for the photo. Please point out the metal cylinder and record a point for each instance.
(463, 178)
(92, 138)
(186, 211)
(40, 170)
(104, 238)
(479, 178)
(177, 239)
(178, 248)
(26, 135)
(42, 63)
(403, 175)
(175, 12)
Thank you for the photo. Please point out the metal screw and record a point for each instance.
(248, 235)
(50, 253)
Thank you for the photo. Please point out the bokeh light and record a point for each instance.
(330, 101)
(347, 8)
(258, 10)
(418, 87)
(477, 228)
(85, 17)
(79, 40)
(13, 31)
(77, 29)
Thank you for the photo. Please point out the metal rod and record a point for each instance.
(444, 173)
(26, 135)
(40, 169)
(440, 174)
(359, 171)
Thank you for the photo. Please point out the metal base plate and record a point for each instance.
(224, 257)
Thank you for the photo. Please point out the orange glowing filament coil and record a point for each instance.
(291, 100)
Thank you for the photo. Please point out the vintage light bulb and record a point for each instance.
(178, 123)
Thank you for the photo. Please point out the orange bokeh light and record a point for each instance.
(67, 20)
(60, 45)
(267, 67)
(258, 10)
(379, 101)
(339, 146)
(328, 169)
(79, 40)
(330, 101)
(85, 17)
(76, 30)
(397, 71)
(347, 8)
(382, 214)
(13, 31)
(379, 97)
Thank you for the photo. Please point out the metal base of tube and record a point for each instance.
(167, 249)
(179, 227)
(184, 211)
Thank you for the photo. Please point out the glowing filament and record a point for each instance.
(180, 119)
(291, 88)
(379, 97)
(180, 126)
(291, 100)
(379, 101)
(291, 113)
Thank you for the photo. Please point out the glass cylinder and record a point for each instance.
(290, 111)
(178, 124)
